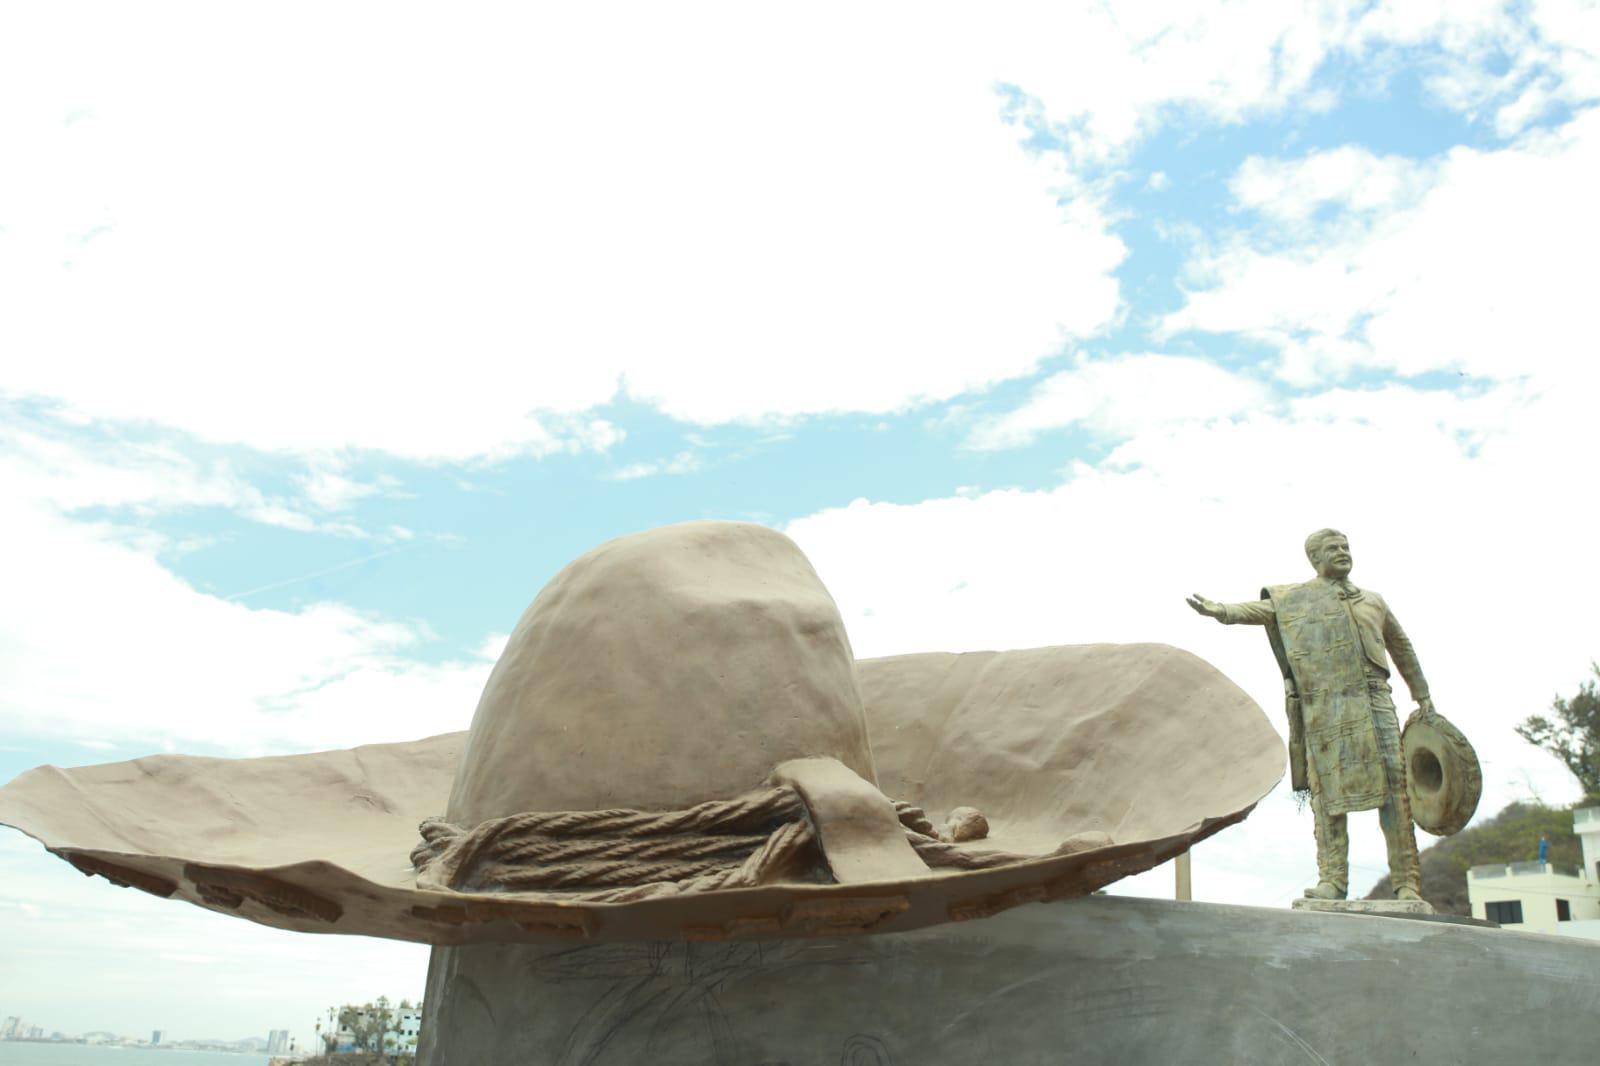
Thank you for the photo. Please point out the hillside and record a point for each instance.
(1510, 836)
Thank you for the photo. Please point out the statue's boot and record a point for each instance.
(1404, 892)
(1325, 890)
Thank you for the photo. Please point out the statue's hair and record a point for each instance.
(1314, 542)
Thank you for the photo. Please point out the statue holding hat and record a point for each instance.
(1334, 643)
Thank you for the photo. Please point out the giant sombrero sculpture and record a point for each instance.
(677, 743)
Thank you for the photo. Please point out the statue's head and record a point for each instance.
(1329, 552)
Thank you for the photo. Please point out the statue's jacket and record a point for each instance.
(1330, 638)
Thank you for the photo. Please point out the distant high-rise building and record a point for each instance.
(155, 1037)
(10, 1029)
(277, 1041)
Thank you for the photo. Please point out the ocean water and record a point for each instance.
(25, 1053)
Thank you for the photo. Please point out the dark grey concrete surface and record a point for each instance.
(1098, 980)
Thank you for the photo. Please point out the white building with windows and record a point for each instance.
(404, 1022)
(407, 1023)
(1542, 897)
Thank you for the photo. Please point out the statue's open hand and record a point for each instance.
(1209, 608)
(1425, 706)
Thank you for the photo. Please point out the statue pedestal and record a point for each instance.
(1393, 907)
(1103, 979)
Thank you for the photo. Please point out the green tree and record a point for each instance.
(369, 1026)
(353, 1020)
(1572, 733)
(382, 1024)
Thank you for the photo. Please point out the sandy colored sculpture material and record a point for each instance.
(1333, 642)
(678, 744)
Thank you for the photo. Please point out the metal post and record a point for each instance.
(1180, 869)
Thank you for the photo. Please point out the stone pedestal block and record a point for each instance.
(1392, 907)
(1096, 980)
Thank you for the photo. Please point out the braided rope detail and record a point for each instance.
(914, 818)
(615, 849)
(601, 849)
(621, 856)
(778, 853)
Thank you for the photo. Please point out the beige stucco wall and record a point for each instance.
(1538, 892)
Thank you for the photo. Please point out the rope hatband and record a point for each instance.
(620, 856)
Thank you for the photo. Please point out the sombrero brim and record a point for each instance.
(1146, 743)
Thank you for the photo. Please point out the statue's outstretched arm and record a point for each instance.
(1253, 613)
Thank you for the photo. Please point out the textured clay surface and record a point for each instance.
(660, 670)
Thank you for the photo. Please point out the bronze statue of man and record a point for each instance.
(1344, 737)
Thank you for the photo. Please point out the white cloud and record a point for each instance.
(1348, 178)
(1486, 274)
(47, 463)
(1533, 102)
(53, 464)
(71, 472)
(1113, 76)
(1111, 81)
(456, 265)
(327, 487)
(1573, 29)
(99, 642)
(685, 462)
(1509, 59)
(1124, 396)
(731, 213)
(493, 646)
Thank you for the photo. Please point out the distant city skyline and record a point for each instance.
(277, 1039)
(17, 1027)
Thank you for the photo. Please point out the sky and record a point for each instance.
(329, 334)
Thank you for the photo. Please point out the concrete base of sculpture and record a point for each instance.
(1095, 980)
(1414, 909)
(1393, 907)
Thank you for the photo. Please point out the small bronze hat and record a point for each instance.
(1443, 779)
(678, 743)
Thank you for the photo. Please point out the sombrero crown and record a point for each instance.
(662, 670)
